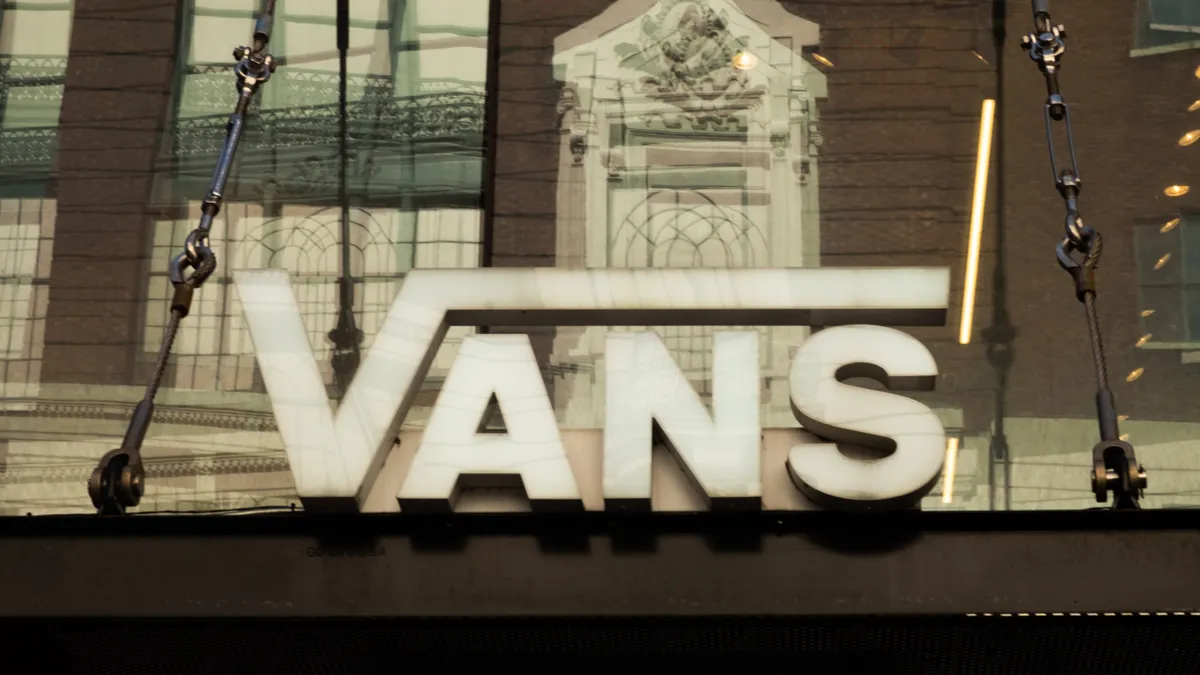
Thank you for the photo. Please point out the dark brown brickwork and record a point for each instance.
(118, 85)
(528, 147)
(897, 169)
(1129, 113)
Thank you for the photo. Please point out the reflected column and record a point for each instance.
(1000, 336)
(346, 336)
(118, 89)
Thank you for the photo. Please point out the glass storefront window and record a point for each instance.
(618, 134)
(399, 188)
(717, 133)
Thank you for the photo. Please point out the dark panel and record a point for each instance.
(817, 564)
(930, 646)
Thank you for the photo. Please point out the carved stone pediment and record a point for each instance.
(685, 52)
(694, 65)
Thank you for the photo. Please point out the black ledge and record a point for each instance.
(284, 522)
(815, 564)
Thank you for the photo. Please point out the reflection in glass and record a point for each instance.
(1166, 25)
(347, 184)
(34, 39)
(690, 138)
(667, 145)
(404, 193)
(400, 189)
(1164, 273)
(824, 60)
(33, 56)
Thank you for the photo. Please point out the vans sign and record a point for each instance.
(335, 458)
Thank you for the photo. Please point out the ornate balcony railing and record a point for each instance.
(383, 125)
(24, 147)
(29, 81)
(452, 117)
(32, 78)
(290, 148)
(376, 116)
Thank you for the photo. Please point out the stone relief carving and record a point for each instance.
(571, 121)
(802, 117)
(780, 138)
(568, 106)
(614, 161)
(578, 143)
(811, 150)
(815, 137)
(686, 53)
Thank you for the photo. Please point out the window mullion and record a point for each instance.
(1184, 281)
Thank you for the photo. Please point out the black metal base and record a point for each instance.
(927, 645)
(816, 564)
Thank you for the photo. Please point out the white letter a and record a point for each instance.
(454, 455)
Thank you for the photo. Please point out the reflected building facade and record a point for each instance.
(33, 57)
(690, 139)
(354, 188)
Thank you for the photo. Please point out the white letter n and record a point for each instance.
(644, 388)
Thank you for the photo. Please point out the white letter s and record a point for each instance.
(844, 413)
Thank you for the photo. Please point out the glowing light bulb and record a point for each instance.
(1143, 340)
(1169, 225)
(1194, 106)
(1147, 312)
(744, 60)
(821, 59)
(1158, 265)
(1176, 190)
(1189, 138)
(1135, 374)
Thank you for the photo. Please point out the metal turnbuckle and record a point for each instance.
(118, 482)
(1115, 468)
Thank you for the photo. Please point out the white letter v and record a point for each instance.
(335, 458)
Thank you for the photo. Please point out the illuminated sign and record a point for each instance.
(335, 458)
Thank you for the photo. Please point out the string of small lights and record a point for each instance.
(1173, 191)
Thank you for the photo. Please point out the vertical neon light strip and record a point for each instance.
(982, 164)
(949, 469)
